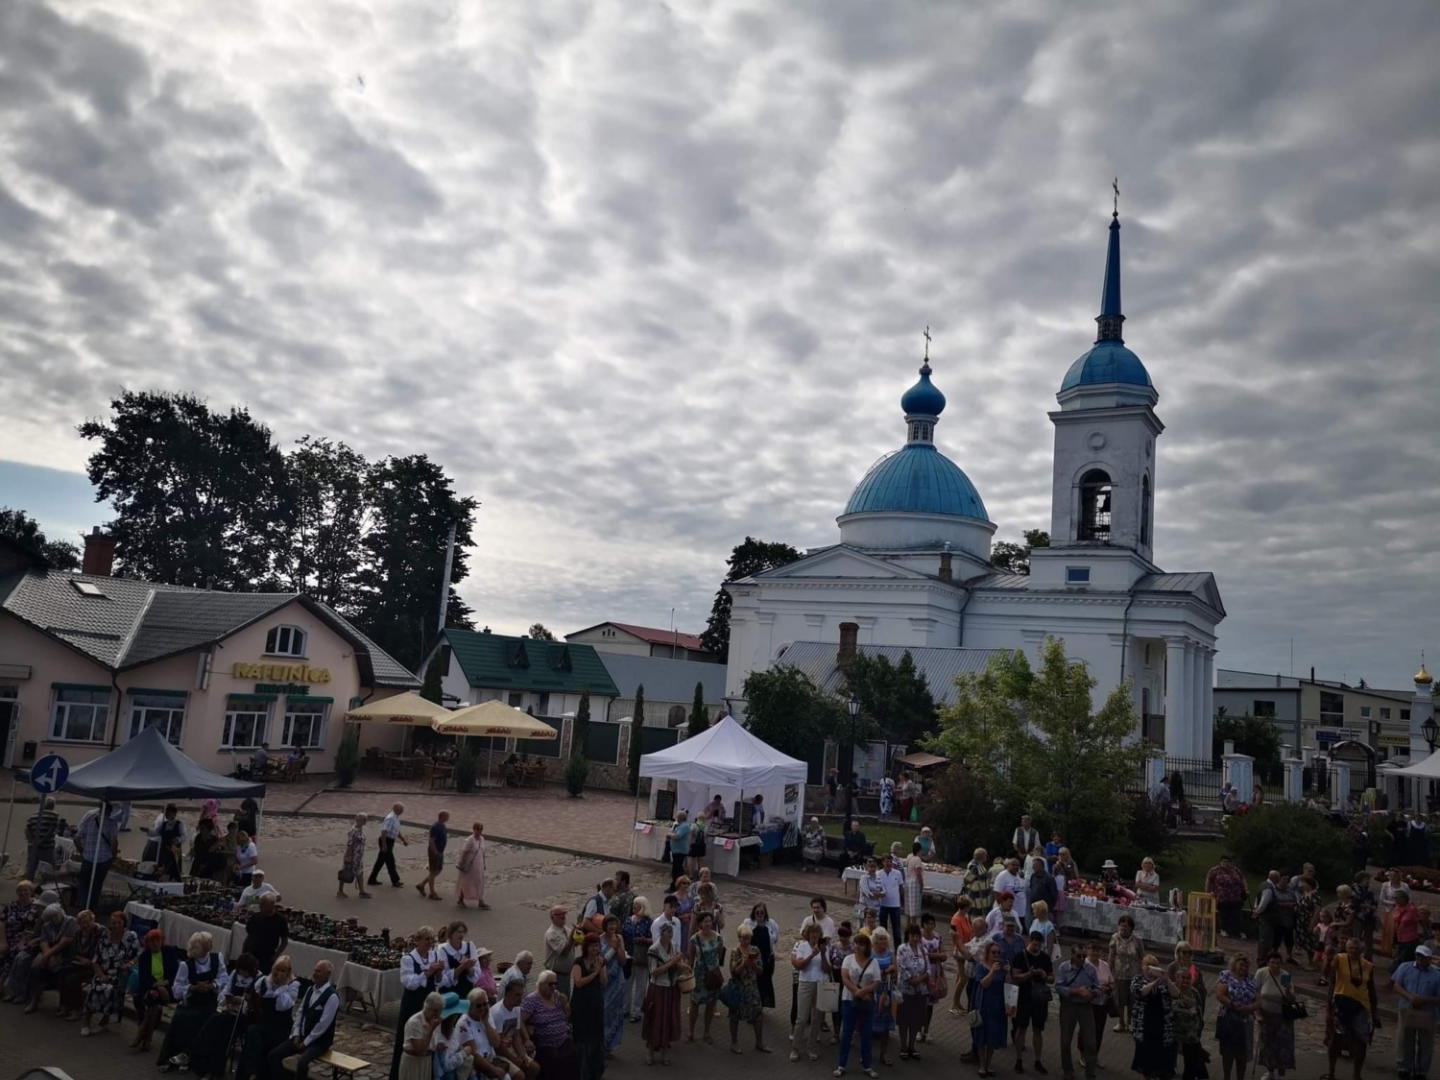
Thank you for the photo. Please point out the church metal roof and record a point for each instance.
(917, 479)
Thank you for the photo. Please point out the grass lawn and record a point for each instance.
(1187, 869)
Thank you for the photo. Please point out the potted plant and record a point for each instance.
(577, 770)
(466, 768)
(347, 756)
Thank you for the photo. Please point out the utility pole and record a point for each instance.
(445, 578)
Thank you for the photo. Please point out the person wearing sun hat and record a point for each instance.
(452, 1060)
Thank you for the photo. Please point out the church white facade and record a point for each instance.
(912, 567)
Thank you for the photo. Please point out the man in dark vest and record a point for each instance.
(314, 1027)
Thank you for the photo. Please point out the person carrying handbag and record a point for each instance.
(807, 958)
(1077, 984)
(860, 976)
(1236, 992)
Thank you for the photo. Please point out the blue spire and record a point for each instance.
(1111, 318)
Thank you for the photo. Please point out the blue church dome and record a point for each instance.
(924, 398)
(917, 479)
(1107, 362)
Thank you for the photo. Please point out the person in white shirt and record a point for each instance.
(819, 917)
(860, 977)
(1012, 881)
(508, 1027)
(872, 887)
(314, 1026)
(475, 1038)
(894, 880)
(389, 833)
(258, 887)
(246, 856)
(667, 916)
(807, 958)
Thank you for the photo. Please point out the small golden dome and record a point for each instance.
(1424, 678)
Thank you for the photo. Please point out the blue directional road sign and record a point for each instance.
(49, 774)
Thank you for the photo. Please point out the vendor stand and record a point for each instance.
(946, 881)
(728, 761)
(1162, 927)
(648, 840)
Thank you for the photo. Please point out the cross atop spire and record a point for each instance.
(1116, 187)
(927, 344)
(1111, 318)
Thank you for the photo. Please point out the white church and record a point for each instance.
(912, 568)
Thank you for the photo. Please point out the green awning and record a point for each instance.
(308, 699)
(135, 690)
(251, 699)
(89, 688)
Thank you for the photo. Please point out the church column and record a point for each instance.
(1175, 697)
(1197, 698)
(1207, 704)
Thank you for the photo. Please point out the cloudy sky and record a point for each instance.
(649, 277)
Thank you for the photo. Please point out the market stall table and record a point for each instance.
(941, 884)
(1158, 926)
(648, 839)
(375, 985)
(725, 853)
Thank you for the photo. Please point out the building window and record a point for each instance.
(676, 717)
(1145, 510)
(542, 703)
(516, 701)
(80, 715)
(305, 724)
(165, 713)
(1364, 712)
(1332, 708)
(1263, 708)
(1077, 575)
(1095, 492)
(285, 641)
(1384, 713)
(246, 726)
(1404, 714)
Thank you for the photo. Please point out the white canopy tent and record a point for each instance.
(1427, 768)
(728, 761)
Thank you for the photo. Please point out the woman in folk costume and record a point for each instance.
(422, 972)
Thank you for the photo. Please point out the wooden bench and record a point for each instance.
(341, 1065)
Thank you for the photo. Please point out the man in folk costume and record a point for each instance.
(314, 1025)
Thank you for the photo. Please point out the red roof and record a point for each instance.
(656, 635)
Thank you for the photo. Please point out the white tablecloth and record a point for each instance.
(725, 860)
(144, 911)
(1157, 927)
(383, 986)
(647, 845)
(173, 888)
(937, 883)
(303, 956)
(178, 929)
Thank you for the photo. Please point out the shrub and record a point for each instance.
(467, 764)
(1147, 834)
(347, 756)
(577, 771)
(964, 815)
(1285, 837)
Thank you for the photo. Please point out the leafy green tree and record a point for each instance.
(20, 527)
(788, 711)
(637, 744)
(1035, 735)
(699, 715)
(1254, 735)
(895, 696)
(413, 503)
(580, 734)
(322, 557)
(539, 633)
(432, 689)
(1012, 558)
(747, 559)
(202, 498)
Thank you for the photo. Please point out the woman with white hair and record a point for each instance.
(46, 953)
(638, 931)
(812, 845)
(196, 990)
(417, 1063)
(353, 868)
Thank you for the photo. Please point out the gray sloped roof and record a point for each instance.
(385, 670)
(939, 666)
(1200, 584)
(176, 622)
(665, 680)
(98, 626)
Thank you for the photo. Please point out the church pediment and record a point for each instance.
(842, 562)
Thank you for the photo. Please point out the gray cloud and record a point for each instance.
(649, 278)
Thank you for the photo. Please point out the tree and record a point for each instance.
(413, 506)
(747, 559)
(699, 715)
(1044, 750)
(539, 633)
(637, 744)
(788, 711)
(322, 558)
(580, 733)
(1254, 735)
(202, 498)
(1011, 558)
(895, 696)
(432, 690)
(20, 527)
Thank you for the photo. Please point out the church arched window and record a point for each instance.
(1145, 510)
(1095, 493)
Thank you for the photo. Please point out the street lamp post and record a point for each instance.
(1431, 731)
(853, 705)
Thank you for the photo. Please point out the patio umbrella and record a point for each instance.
(408, 709)
(495, 719)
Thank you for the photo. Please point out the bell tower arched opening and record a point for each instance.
(1096, 492)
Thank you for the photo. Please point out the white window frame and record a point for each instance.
(286, 640)
(1384, 713)
(249, 709)
(1364, 712)
(317, 735)
(174, 722)
(61, 712)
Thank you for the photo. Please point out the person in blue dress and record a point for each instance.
(612, 951)
(987, 997)
(883, 950)
(887, 798)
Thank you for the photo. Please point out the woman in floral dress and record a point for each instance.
(939, 990)
(745, 967)
(612, 951)
(20, 917)
(109, 970)
(354, 864)
(835, 956)
(885, 998)
(1307, 913)
(1152, 1021)
(706, 954)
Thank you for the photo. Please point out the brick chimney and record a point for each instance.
(849, 642)
(99, 558)
(946, 572)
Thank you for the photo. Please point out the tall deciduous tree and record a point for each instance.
(323, 556)
(637, 744)
(788, 711)
(539, 632)
(24, 530)
(699, 716)
(433, 688)
(1015, 558)
(413, 504)
(751, 557)
(580, 733)
(202, 497)
(895, 696)
(1035, 735)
